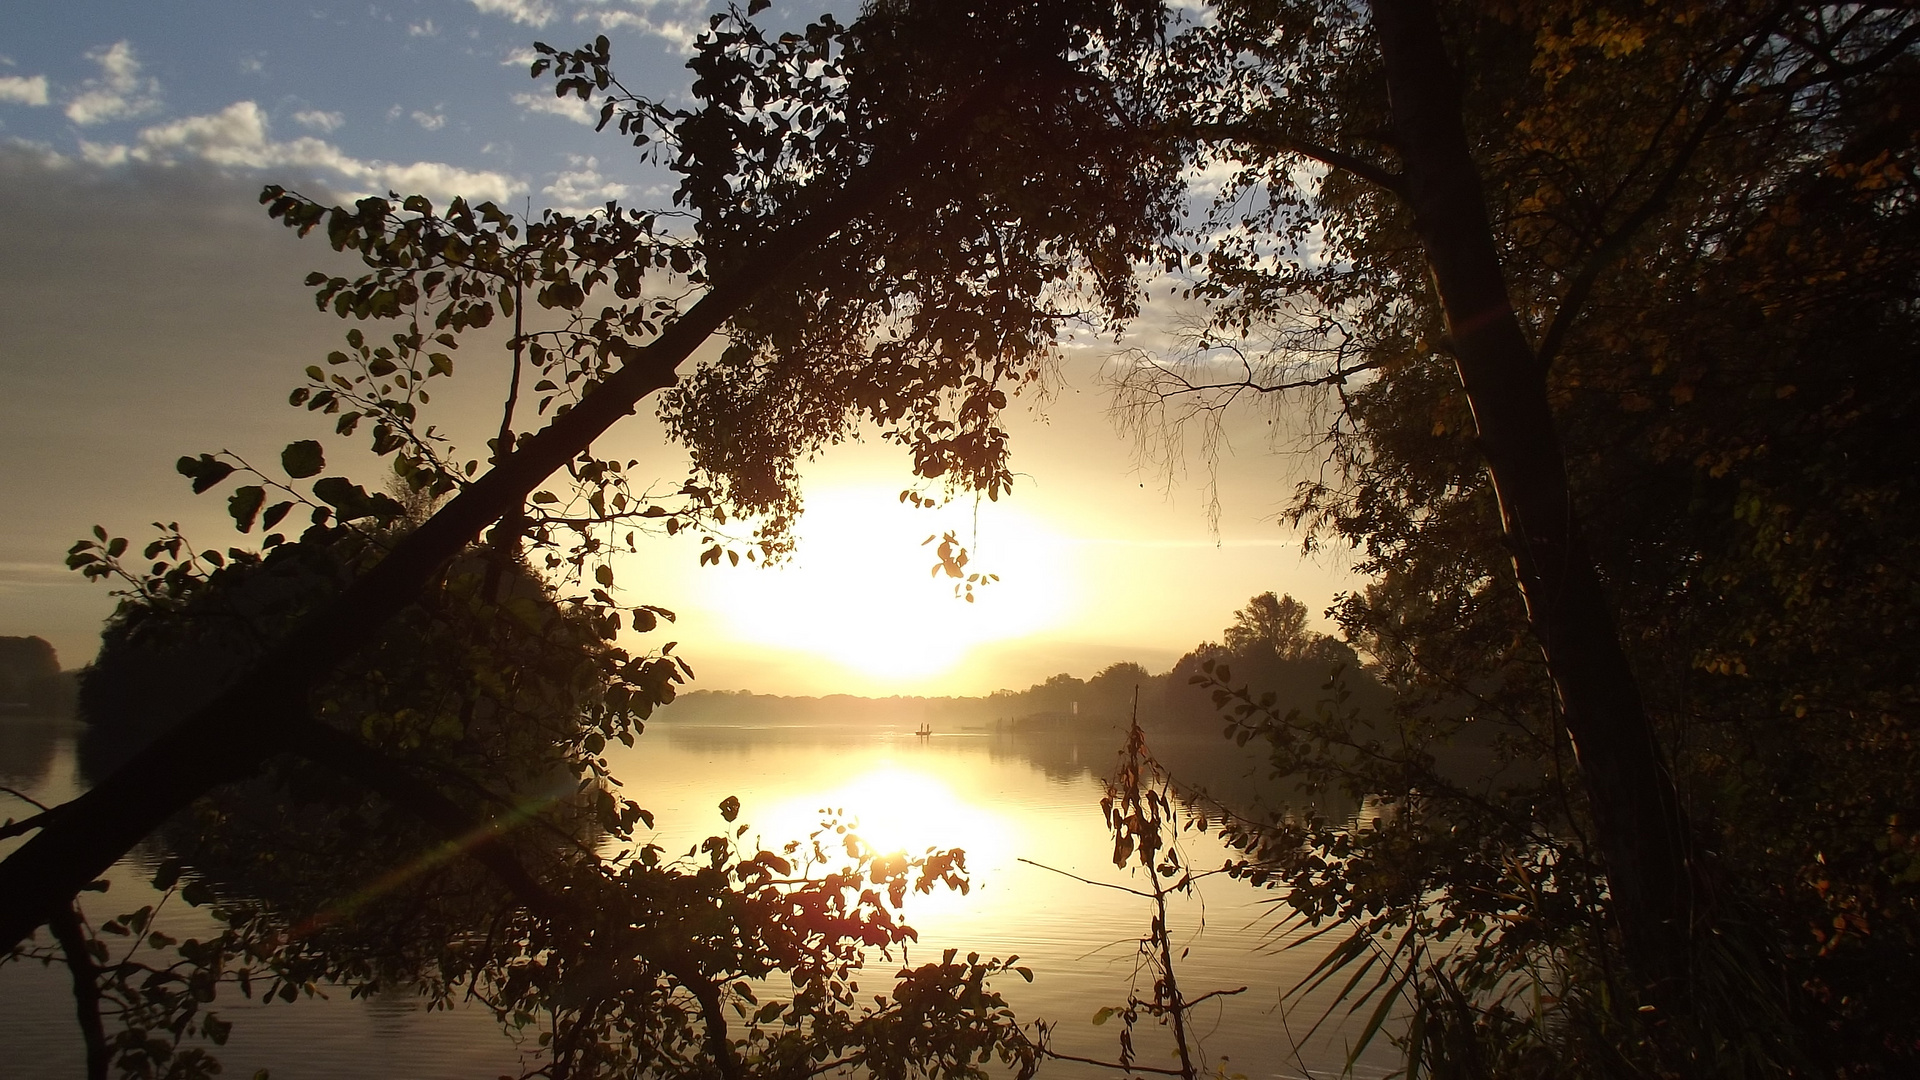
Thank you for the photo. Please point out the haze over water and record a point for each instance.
(1002, 797)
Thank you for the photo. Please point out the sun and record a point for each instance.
(859, 592)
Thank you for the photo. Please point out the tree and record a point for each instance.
(1113, 689)
(1565, 273)
(839, 205)
(506, 700)
(30, 675)
(1274, 623)
(1400, 88)
(1268, 648)
(938, 180)
(892, 219)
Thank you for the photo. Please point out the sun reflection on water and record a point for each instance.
(894, 808)
(1039, 858)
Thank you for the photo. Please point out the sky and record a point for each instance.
(149, 309)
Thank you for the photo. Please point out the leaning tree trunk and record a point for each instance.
(1642, 832)
(256, 717)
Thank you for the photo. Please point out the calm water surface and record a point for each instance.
(1009, 802)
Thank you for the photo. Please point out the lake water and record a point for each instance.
(1010, 801)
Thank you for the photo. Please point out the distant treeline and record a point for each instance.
(1069, 725)
(1267, 648)
(31, 681)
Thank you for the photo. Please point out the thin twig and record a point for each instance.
(25, 825)
(1215, 993)
(1252, 135)
(1089, 881)
(1112, 1064)
(24, 797)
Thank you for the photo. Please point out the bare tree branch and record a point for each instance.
(1255, 136)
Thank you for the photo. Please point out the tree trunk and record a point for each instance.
(1642, 833)
(253, 718)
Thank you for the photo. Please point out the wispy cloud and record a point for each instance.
(582, 189)
(23, 89)
(422, 29)
(431, 121)
(34, 570)
(316, 120)
(120, 93)
(238, 137)
(677, 21)
(524, 12)
(580, 112)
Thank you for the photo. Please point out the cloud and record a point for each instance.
(580, 112)
(583, 189)
(15, 151)
(678, 21)
(524, 12)
(316, 120)
(431, 121)
(1208, 179)
(237, 137)
(104, 154)
(119, 93)
(23, 90)
(422, 29)
(195, 327)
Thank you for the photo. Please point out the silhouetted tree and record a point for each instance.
(1611, 304)
(1274, 623)
(932, 177)
(30, 677)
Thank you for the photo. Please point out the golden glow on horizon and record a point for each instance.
(859, 594)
